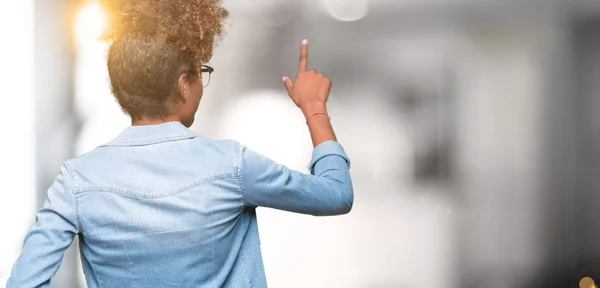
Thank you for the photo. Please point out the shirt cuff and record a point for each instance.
(327, 148)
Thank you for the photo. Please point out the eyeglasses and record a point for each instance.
(204, 69)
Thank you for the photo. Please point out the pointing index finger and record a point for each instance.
(303, 55)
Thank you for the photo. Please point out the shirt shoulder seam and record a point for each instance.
(238, 171)
(74, 194)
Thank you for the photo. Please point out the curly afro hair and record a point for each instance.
(151, 43)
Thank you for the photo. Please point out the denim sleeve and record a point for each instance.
(327, 191)
(46, 242)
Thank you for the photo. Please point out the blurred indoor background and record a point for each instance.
(471, 125)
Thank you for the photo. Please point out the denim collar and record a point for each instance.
(152, 134)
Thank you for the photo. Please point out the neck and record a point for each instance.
(141, 121)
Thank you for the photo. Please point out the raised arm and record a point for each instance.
(328, 190)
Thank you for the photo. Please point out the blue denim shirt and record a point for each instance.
(160, 206)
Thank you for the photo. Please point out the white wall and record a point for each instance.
(17, 200)
(499, 154)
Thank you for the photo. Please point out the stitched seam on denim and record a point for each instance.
(247, 276)
(238, 171)
(79, 226)
(89, 262)
(74, 191)
(93, 271)
(133, 194)
(246, 272)
(149, 142)
(213, 249)
(130, 264)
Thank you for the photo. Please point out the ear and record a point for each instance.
(184, 87)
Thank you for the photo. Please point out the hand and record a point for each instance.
(310, 90)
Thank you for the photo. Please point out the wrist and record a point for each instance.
(315, 107)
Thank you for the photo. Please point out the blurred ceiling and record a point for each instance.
(582, 6)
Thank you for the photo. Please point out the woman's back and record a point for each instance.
(159, 203)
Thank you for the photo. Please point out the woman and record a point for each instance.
(160, 206)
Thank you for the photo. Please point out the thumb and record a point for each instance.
(288, 85)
